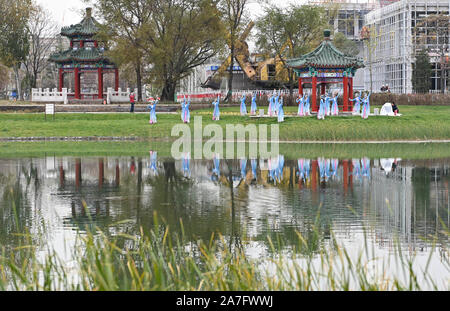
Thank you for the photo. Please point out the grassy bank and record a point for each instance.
(417, 123)
(290, 151)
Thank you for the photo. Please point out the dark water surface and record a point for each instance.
(392, 199)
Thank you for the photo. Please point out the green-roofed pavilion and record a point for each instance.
(84, 55)
(326, 65)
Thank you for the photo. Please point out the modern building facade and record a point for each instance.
(396, 32)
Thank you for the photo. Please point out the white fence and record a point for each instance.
(39, 95)
(47, 95)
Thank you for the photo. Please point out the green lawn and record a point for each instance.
(417, 123)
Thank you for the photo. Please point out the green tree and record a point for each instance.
(14, 41)
(123, 26)
(421, 75)
(345, 45)
(233, 17)
(298, 26)
(183, 34)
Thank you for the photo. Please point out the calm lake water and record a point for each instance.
(389, 199)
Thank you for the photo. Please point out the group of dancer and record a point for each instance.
(328, 106)
(365, 101)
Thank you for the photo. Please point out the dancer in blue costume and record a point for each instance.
(269, 112)
(321, 112)
(357, 106)
(152, 108)
(183, 105)
(366, 107)
(253, 107)
(280, 111)
(307, 110)
(300, 101)
(187, 113)
(327, 105)
(216, 112)
(276, 103)
(334, 107)
(243, 107)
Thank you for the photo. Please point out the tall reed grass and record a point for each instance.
(163, 260)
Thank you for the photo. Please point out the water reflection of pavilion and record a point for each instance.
(389, 194)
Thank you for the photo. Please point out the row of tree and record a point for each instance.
(164, 40)
(26, 36)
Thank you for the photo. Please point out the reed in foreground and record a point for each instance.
(161, 260)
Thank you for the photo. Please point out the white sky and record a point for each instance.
(67, 12)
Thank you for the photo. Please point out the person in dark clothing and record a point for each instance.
(132, 102)
(394, 108)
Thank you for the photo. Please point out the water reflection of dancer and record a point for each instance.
(153, 159)
(279, 168)
(186, 161)
(324, 169)
(243, 163)
(243, 107)
(216, 112)
(334, 168)
(254, 164)
(356, 168)
(365, 172)
(303, 169)
(280, 111)
(216, 170)
(253, 107)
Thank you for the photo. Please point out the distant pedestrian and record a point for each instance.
(394, 108)
(132, 100)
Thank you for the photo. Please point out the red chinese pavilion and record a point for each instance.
(326, 65)
(84, 55)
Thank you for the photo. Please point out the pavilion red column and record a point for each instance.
(314, 94)
(350, 104)
(116, 79)
(345, 177)
(61, 80)
(314, 179)
(77, 83)
(322, 89)
(77, 173)
(345, 108)
(100, 82)
(300, 86)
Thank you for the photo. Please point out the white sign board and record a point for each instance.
(49, 109)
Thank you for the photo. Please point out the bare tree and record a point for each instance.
(42, 37)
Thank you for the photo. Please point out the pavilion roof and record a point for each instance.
(326, 55)
(85, 54)
(88, 27)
